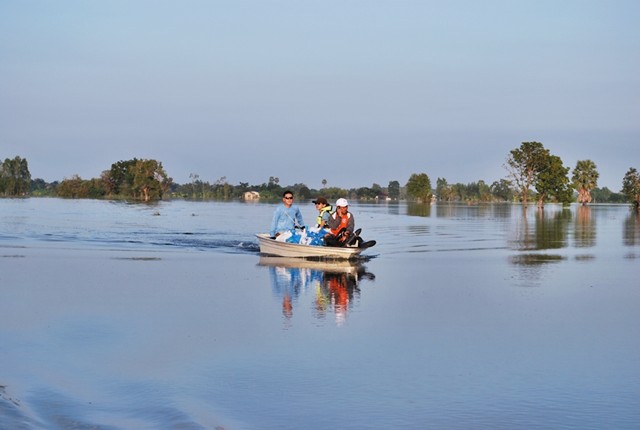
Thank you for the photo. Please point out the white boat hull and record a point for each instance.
(270, 246)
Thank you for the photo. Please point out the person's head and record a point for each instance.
(342, 205)
(287, 198)
(320, 202)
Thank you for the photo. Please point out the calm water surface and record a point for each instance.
(126, 316)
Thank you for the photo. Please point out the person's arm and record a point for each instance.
(351, 224)
(324, 219)
(299, 217)
(274, 222)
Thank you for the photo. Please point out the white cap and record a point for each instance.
(342, 203)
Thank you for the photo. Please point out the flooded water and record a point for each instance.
(127, 316)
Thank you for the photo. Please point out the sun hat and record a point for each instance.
(320, 200)
(342, 203)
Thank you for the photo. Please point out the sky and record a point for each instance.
(357, 92)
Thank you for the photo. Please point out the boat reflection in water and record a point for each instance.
(333, 286)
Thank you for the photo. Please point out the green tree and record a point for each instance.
(393, 190)
(78, 188)
(150, 181)
(242, 187)
(552, 181)
(143, 180)
(605, 195)
(631, 187)
(333, 193)
(443, 191)
(585, 178)
(502, 190)
(73, 188)
(459, 192)
(15, 178)
(108, 183)
(366, 193)
(419, 187)
(376, 189)
(196, 185)
(484, 191)
(97, 188)
(120, 177)
(222, 188)
(524, 164)
(303, 192)
(39, 187)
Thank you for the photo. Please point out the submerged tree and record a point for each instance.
(120, 177)
(502, 190)
(524, 164)
(552, 181)
(443, 191)
(143, 180)
(585, 178)
(15, 178)
(631, 187)
(532, 165)
(393, 190)
(195, 184)
(73, 188)
(150, 181)
(605, 195)
(419, 187)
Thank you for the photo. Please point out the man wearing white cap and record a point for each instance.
(341, 225)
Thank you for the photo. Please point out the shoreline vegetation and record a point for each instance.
(534, 175)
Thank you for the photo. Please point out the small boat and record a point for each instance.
(270, 246)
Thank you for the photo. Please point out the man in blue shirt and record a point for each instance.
(286, 216)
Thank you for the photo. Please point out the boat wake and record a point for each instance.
(219, 242)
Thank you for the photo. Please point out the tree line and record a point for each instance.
(534, 174)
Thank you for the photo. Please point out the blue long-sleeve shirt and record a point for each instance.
(285, 219)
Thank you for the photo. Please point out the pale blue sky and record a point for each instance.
(355, 92)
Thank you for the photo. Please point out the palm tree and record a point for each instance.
(585, 178)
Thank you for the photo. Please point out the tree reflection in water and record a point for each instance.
(632, 229)
(549, 231)
(585, 228)
(334, 284)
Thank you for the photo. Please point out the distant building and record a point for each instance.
(251, 195)
(383, 197)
